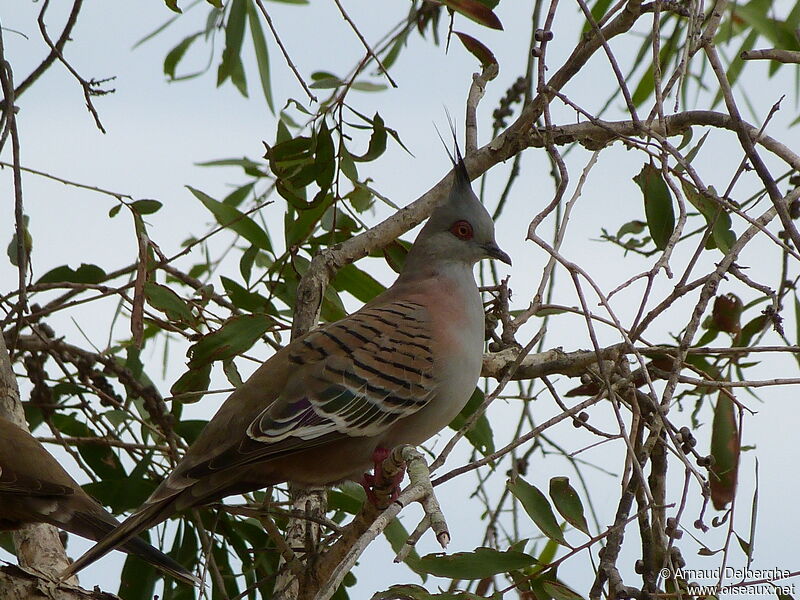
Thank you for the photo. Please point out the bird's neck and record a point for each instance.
(416, 269)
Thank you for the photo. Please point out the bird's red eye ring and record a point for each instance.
(462, 230)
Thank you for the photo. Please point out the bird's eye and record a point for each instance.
(462, 230)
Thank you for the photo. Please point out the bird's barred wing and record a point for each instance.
(353, 378)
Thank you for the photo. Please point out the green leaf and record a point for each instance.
(568, 503)
(693, 152)
(752, 328)
(190, 429)
(146, 206)
(232, 372)
(480, 435)
(175, 55)
(246, 263)
(13, 247)
(237, 196)
(776, 31)
(138, 579)
(84, 274)
(368, 86)
(234, 34)
(558, 591)
(631, 227)
(359, 283)
(248, 165)
(242, 297)
(293, 149)
(324, 155)
(725, 450)
(716, 217)
(538, 508)
(121, 494)
(598, 11)
(345, 501)
(377, 141)
(236, 336)
(232, 218)
(657, 205)
(346, 163)
(328, 83)
(192, 381)
(164, 299)
(394, 51)
(238, 77)
(479, 564)
(300, 224)
(101, 459)
(262, 55)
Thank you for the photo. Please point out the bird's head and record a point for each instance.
(458, 230)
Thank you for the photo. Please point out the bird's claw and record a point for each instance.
(386, 486)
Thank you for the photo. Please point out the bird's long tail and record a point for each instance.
(124, 536)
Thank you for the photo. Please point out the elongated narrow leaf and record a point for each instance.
(237, 196)
(237, 335)
(243, 298)
(231, 217)
(778, 32)
(324, 155)
(568, 503)
(538, 508)
(164, 299)
(262, 55)
(377, 142)
(234, 34)
(716, 217)
(360, 284)
(175, 55)
(657, 205)
(725, 450)
(481, 563)
(558, 591)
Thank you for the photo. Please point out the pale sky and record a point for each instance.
(158, 131)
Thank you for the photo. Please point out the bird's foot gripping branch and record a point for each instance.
(419, 490)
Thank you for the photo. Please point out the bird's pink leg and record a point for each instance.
(368, 480)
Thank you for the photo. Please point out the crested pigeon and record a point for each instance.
(34, 488)
(321, 409)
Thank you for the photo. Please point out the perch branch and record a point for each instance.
(419, 490)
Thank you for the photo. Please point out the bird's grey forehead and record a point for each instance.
(463, 204)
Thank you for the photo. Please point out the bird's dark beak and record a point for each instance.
(494, 251)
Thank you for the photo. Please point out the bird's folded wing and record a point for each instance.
(353, 378)
(12, 482)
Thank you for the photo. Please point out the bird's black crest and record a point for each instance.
(461, 174)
